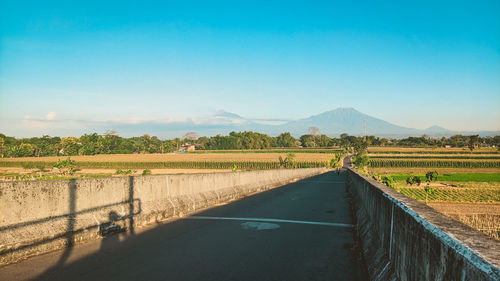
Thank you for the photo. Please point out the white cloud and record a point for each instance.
(35, 124)
(50, 116)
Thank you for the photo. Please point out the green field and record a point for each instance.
(473, 187)
(457, 187)
(467, 187)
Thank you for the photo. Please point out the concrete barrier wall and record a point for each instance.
(403, 239)
(41, 216)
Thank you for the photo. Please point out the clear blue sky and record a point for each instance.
(415, 64)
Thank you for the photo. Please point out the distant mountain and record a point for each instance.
(332, 123)
(224, 117)
(227, 115)
(436, 129)
(350, 121)
(346, 120)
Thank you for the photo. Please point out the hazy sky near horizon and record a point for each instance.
(414, 64)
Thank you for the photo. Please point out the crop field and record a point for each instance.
(416, 150)
(454, 194)
(433, 163)
(467, 187)
(185, 161)
(423, 170)
(247, 165)
(434, 156)
(41, 168)
(182, 157)
(308, 150)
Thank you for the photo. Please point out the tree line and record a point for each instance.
(112, 143)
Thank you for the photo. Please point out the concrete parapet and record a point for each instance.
(403, 239)
(41, 216)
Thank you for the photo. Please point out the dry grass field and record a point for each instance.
(482, 216)
(465, 207)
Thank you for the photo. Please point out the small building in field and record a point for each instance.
(187, 147)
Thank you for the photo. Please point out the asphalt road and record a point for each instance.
(301, 231)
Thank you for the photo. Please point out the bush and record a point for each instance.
(61, 164)
(431, 176)
(66, 166)
(289, 161)
(413, 180)
(388, 181)
(361, 160)
(337, 161)
(375, 176)
(429, 190)
(146, 172)
(122, 172)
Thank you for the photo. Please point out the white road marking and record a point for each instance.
(270, 220)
